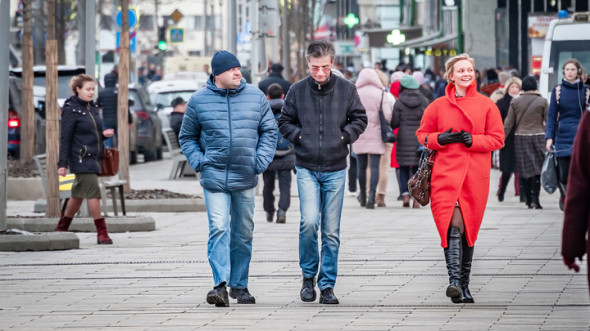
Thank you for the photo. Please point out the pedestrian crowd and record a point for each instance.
(327, 130)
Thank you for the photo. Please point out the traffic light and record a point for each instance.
(162, 44)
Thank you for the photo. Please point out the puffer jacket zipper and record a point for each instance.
(321, 128)
(230, 139)
(97, 135)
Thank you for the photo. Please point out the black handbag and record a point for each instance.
(387, 134)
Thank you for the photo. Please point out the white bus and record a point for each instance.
(566, 38)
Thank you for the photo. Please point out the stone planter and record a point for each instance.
(24, 188)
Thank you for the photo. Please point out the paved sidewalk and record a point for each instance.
(392, 274)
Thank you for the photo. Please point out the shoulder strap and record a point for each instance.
(525, 110)
(381, 104)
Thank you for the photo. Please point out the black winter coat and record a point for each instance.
(508, 152)
(80, 144)
(280, 162)
(407, 114)
(176, 122)
(274, 77)
(321, 120)
(107, 100)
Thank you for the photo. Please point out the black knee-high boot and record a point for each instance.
(535, 191)
(503, 183)
(466, 260)
(526, 190)
(453, 258)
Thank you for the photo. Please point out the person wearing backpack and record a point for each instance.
(282, 164)
(566, 106)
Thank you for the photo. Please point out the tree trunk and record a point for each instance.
(27, 147)
(122, 100)
(52, 131)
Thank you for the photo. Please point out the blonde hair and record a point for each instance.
(450, 64)
(78, 81)
(511, 81)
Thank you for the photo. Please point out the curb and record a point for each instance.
(84, 224)
(148, 206)
(39, 242)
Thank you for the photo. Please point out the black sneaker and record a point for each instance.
(307, 293)
(327, 297)
(281, 216)
(242, 295)
(269, 216)
(218, 296)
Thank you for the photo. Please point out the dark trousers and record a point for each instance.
(563, 163)
(352, 170)
(269, 187)
(405, 172)
(371, 160)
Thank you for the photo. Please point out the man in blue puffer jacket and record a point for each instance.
(229, 135)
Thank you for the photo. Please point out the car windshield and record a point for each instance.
(63, 85)
(165, 99)
(564, 50)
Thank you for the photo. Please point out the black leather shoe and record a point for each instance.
(281, 216)
(307, 293)
(218, 296)
(242, 295)
(327, 297)
(269, 217)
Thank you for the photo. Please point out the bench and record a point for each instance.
(179, 161)
(65, 193)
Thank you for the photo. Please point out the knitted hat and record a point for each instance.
(223, 61)
(529, 83)
(419, 76)
(396, 76)
(504, 76)
(409, 82)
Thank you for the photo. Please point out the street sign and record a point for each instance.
(131, 41)
(351, 20)
(344, 47)
(176, 35)
(132, 18)
(176, 15)
(396, 37)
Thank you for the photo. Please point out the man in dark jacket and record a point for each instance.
(178, 110)
(275, 78)
(107, 100)
(229, 135)
(321, 116)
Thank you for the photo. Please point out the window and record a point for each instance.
(195, 23)
(194, 53)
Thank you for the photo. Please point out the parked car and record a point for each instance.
(14, 114)
(149, 125)
(163, 92)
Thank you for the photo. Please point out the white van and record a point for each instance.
(566, 38)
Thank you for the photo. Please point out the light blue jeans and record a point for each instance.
(320, 196)
(231, 226)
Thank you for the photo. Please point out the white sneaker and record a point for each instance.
(350, 194)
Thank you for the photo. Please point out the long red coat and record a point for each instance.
(459, 173)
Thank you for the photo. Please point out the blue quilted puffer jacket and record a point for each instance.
(229, 136)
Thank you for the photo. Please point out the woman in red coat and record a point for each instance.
(464, 127)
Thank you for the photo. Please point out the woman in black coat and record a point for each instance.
(507, 154)
(407, 113)
(81, 149)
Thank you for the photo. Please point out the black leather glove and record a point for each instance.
(448, 137)
(466, 138)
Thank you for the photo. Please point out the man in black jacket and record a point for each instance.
(275, 77)
(321, 116)
(107, 100)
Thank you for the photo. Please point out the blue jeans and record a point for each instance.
(405, 173)
(231, 226)
(320, 196)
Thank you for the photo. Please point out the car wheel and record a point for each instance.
(159, 153)
(132, 157)
(150, 155)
